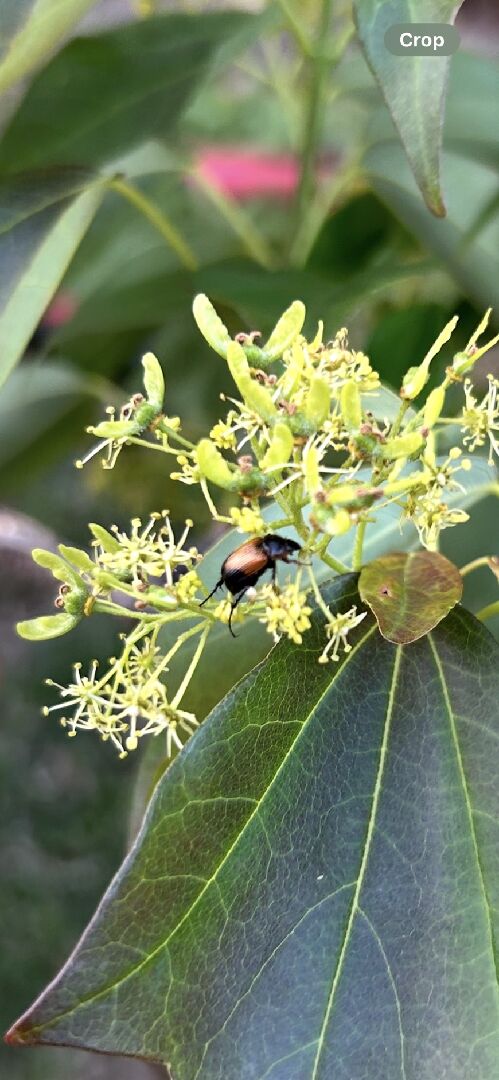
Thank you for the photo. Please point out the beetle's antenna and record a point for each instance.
(217, 586)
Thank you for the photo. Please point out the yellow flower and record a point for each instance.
(337, 630)
(187, 587)
(480, 421)
(248, 520)
(286, 612)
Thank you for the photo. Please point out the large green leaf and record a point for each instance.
(413, 86)
(43, 217)
(102, 95)
(314, 890)
(29, 29)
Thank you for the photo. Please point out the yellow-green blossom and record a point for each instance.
(248, 520)
(480, 420)
(149, 551)
(337, 630)
(286, 612)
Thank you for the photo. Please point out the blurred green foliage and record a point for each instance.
(146, 102)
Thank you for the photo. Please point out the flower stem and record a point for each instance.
(172, 434)
(256, 246)
(158, 220)
(359, 544)
(191, 669)
(318, 68)
(488, 612)
(295, 27)
(484, 560)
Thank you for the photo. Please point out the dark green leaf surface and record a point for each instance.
(43, 218)
(314, 891)
(413, 86)
(102, 95)
(30, 29)
(410, 592)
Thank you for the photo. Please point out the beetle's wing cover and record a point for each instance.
(249, 558)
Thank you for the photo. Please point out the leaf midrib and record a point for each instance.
(365, 859)
(35, 1028)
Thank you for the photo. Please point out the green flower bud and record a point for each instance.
(214, 467)
(154, 383)
(58, 568)
(350, 405)
(335, 523)
(47, 626)
(317, 402)
(285, 331)
(433, 406)
(210, 325)
(293, 374)
(343, 493)
(114, 429)
(281, 446)
(417, 377)
(255, 395)
(312, 474)
(403, 446)
(106, 539)
(406, 483)
(78, 558)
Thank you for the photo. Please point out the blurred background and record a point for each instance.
(357, 245)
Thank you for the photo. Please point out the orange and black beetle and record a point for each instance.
(244, 566)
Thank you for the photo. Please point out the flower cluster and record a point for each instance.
(312, 444)
(129, 701)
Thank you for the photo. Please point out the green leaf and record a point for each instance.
(42, 220)
(314, 890)
(127, 85)
(30, 29)
(470, 186)
(410, 593)
(413, 86)
(47, 626)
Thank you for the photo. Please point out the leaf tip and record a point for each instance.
(20, 1034)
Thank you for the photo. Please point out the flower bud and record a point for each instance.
(46, 626)
(403, 446)
(57, 566)
(115, 429)
(210, 325)
(407, 483)
(417, 377)
(255, 395)
(433, 407)
(213, 466)
(78, 558)
(350, 405)
(281, 446)
(311, 468)
(317, 402)
(154, 383)
(293, 374)
(106, 539)
(285, 331)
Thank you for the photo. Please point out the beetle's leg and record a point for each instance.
(217, 586)
(233, 607)
(274, 574)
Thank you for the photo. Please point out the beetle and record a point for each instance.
(246, 564)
